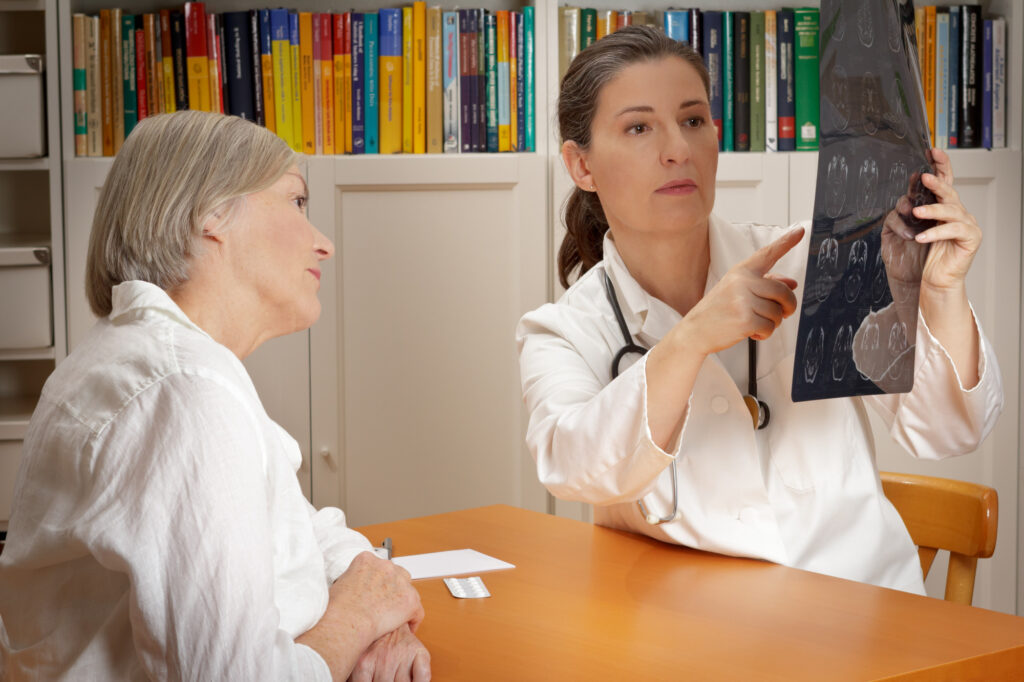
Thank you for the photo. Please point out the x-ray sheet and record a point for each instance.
(858, 321)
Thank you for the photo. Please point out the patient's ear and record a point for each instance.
(213, 227)
(575, 160)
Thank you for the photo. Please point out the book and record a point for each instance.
(728, 72)
(588, 27)
(529, 78)
(358, 57)
(504, 137)
(159, 86)
(623, 18)
(307, 83)
(986, 85)
(696, 30)
(419, 77)
(491, 31)
(117, 77)
(106, 85)
(771, 79)
(326, 57)
(282, 69)
(407, 74)
(941, 69)
(128, 77)
(154, 66)
(520, 81)
(141, 84)
(971, 43)
(435, 107)
(451, 81)
(805, 57)
(677, 24)
(196, 57)
(170, 102)
(741, 81)
(757, 87)
(318, 103)
(93, 95)
(390, 81)
(295, 80)
(479, 68)
(928, 68)
(257, 67)
(178, 57)
(78, 79)
(238, 65)
(712, 40)
(212, 81)
(513, 56)
(341, 103)
(221, 69)
(787, 84)
(267, 71)
(953, 68)
(998, 83)
(345, 22)
(371, 83)
(607, 22)
(466, 83)
(569, 36)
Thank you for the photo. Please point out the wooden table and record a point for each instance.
(589, 603)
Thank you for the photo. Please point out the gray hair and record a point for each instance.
(172, 174)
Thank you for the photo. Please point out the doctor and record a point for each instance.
(664, 444)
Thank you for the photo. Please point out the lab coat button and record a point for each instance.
(748, 515)
(719, 404)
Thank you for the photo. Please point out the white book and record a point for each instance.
(998, 82)
(451, 107)
(771, 83)
(942, 80)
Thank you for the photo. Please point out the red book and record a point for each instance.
(196, 56)
(327, 99)
(141, 92)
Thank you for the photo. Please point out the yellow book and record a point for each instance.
(306, 94)
(606, 21)
(267, 73)
(340, 102)
(513, 118)
(197, 61)
(504, 134)
(419, 77)
(296, 80)
(407, 71)
(327, 83)
(390, 81)
(281, 54)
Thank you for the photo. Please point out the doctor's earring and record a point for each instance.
(593, 188)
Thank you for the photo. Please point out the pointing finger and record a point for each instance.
(764, 259)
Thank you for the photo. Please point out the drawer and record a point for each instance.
(21, 81)
(28, 322)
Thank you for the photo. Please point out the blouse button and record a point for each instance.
(719, 404)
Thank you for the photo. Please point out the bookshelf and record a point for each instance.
(404, 397)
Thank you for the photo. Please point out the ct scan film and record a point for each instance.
(858, 321)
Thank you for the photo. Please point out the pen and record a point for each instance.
(387, 547)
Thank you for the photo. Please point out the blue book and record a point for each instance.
(370, 38)
(954, 76)
(358, 77)
(131, 112)
(787, 84)
(677, 24)
(520, 38)
(451, 80)
(238, 67)
(986, 90)
(712, 41)
(727, 82)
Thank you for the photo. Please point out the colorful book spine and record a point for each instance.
(805, 53)
(179, 58)
(712, 39)
(106, 84)
(519, 110)
(787, 82)
(358, 57)
(213, 62)
(93, 105)
(407, 75)
(529, 78)
(390, 81)
(257, 67)
(154, 70)
(307, 83)
(677, 25)
(466, 83)
(998, 83)
(588, 27)
(141, 84)
(757, 88)
(371, 37)
(238, 65)
(986, 85)
(953, 67)
(326, 57)
(296, 80)
(340, 99)
(696, 30)
(607, 22)
(318, 103)
(504, 119)
(971, 43)
(928, 69)
(282, 69)
(741, 81)
(435, 108)
(116, 76)
(267, 70)
(480, 69)
(771, 81)
(491, 29)
(513, 120)
(569, 36)
(78, 78)
(728, 72)
(167, 61)
(196, 57)
(128, 77)
(419, 76)
(450, 81)
(941, 69)
(347, 88)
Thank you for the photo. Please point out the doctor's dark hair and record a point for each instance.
(590, 71)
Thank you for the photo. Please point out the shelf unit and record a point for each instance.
(31, 214)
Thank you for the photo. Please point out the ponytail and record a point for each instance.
(585, 225)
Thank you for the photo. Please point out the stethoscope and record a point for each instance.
(759, 412)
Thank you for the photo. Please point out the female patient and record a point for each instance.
(158, 529)
(640, 147)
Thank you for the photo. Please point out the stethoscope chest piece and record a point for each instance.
(759, 413)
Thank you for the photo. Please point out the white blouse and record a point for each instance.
(803, 492)
(158, 529)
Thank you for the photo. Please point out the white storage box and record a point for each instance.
(23, 112)
(25, 301)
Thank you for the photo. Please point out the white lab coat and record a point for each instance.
(803, 492)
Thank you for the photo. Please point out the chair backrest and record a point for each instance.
(941, 513)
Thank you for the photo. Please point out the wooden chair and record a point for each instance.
(941, 513)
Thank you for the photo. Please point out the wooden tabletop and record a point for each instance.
(590, 603)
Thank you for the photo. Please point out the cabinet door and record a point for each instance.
(437, 258)
(279, 368)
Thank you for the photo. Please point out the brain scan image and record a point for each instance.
(879, 282)
(836, 22)
(865, 26)
(894, 31)
(841, 348)
(828, 269)
(895, 117)
(897, 345)
(838, 172)
(856, 270)
(867, 188)
(897, 185)
(870, 103)
(840, 97)
(814, 349)
(868, 344)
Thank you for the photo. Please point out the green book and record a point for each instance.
(131, 103)
(805, 71)
(529, 61)
(757, 100)
(491, 25)
(588, 26)
(727, 83)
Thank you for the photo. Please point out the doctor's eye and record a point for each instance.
(637, 128)
(694, 121)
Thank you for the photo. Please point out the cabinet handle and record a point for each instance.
(326, 454)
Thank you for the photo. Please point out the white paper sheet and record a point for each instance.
(452, 562)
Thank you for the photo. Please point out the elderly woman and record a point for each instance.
(662, 442)
(158, 529)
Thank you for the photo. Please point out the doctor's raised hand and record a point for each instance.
(662, 442)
